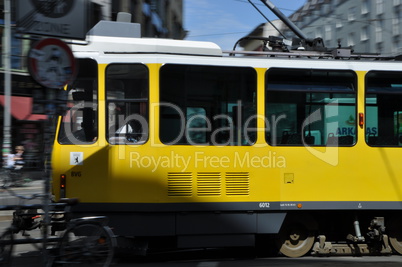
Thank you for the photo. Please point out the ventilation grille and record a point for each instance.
(180, 184)
(208, 184)
(237, 183)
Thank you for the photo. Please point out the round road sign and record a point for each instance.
(51, 63)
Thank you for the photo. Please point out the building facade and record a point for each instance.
(158, 18)
(367, 26)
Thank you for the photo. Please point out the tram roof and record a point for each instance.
(120, 38)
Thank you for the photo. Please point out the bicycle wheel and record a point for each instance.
(86, 244)
(6, 247)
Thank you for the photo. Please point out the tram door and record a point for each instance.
(78, 153)
(127, 131)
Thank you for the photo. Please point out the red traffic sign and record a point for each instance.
(51, 63)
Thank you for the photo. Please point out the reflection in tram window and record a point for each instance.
(384, 108)
(80, 123)
(207, 105)
(127, 103)
(310, 107)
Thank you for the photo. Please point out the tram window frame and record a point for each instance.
(383, 108)
(227, 94)
(314, 97)
(127, 107)
(79, 124)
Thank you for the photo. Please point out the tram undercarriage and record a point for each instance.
(343, 233)
(316, 233)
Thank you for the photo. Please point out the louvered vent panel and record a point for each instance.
(237, 183)
(180, 184)
(208, 184)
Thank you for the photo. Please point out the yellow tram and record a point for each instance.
(183, 146)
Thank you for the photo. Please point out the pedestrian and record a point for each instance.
(19, 158)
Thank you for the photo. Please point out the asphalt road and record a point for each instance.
(27, 255)
(393, 261)
(221, 259)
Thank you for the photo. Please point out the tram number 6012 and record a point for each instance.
(264, 205)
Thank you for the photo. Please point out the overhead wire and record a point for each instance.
(262, 14)
(245, 32)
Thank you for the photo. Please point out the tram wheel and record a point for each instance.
(395, 234)
(295, 240)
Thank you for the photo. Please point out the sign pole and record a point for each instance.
(49, 138)
(52, 64)
(7, 82)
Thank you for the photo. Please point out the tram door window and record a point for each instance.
(310, 107)
(127, 103)
(80, 122)
(207, 105)
(384, 108)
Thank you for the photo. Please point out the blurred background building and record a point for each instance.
(367, 26)
(158, 18)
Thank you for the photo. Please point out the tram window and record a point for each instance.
(127, 103)
(384, 108)
(310, 107)
(80, 123)
(207, 105)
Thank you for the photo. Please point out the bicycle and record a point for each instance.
(14, 177)
(86, 240)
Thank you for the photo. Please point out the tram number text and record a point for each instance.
(265, 205)
(75, 174)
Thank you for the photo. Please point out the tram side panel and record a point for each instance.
(164, 189)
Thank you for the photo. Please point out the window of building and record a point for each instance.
(17, 53)
(378, 31)
(384, 108)
(339, 22)
(364, 34)
(395, 26)
(352, 14)
(328, 32)
(127, 103)
(380, 6)
(351, 39)
(365, 7)
(318, 32)
(80, 122)
(207, 105)
(394, 47)
(310, 107)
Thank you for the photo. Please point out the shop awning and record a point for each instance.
(21, 108)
